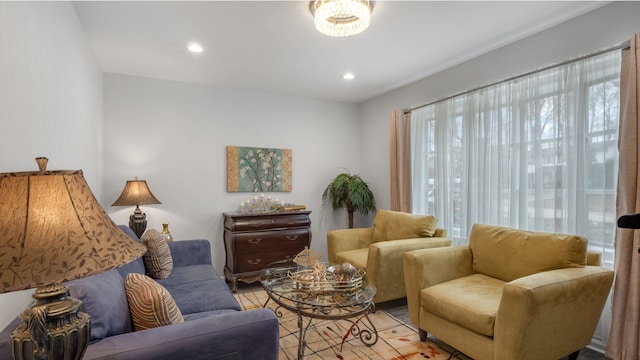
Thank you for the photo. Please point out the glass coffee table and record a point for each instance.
(353, 306)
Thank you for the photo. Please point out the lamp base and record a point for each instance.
(138, 222)
(52, 328)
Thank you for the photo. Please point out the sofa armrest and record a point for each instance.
(384, 264)
(250, 334)
(554, 308)
(347, 239)
(190, 252)
(427, 267)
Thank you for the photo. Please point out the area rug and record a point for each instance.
(331, 339)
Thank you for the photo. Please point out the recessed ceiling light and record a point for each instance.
(348, 76)
(196, 48)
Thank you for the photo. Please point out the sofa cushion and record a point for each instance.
(206, 295)
(103, 298)
(189, 274)
(157, 260)
(395, 225)
(136, 266)
(150, 304)
(476, 310)
(508, 254)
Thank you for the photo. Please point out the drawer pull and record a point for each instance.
(292, 237)
(254, 241)
(254, 225)
(288, 257)
(254, 262)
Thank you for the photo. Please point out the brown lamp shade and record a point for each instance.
(136, 192)
(52, 229)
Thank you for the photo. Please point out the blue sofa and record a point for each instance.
(215, 327)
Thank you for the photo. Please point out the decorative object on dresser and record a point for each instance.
(136, 192)
(54, 230)
(254, 240)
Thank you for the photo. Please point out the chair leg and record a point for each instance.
(423, 335)
(574, 355)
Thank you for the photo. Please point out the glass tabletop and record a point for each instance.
(278, 281)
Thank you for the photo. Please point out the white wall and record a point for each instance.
(174, 135)
(50, 101)
(599, 29)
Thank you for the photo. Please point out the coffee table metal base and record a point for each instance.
(362, 328)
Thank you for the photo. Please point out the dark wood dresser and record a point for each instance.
(254, 240)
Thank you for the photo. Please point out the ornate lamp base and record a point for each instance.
(138, 222)
(52, 328)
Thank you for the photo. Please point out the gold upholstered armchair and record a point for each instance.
(379, 249)
(509, 294)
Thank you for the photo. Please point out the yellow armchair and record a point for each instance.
(379, 249)
(508, 294)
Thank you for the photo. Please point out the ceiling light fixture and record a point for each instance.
(341, 18)
(196, 48)
(348, 76)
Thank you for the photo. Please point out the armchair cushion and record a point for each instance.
(509, 254)
(395, 225)
(475, 310)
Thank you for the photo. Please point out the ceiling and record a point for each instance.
(273, 46)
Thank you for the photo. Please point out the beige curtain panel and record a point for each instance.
(624, 335)
(400, 162)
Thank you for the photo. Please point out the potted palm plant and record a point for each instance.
(350, 192)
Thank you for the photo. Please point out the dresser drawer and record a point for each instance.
(267, 240)
(257, 261)
(297, 220)
(252, 223)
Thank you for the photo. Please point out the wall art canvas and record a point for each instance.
(256, 169)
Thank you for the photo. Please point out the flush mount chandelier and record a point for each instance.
(341, 18)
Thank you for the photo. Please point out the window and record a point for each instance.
(537, 153)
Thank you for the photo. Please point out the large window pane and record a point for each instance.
(537, 153)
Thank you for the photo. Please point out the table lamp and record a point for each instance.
(136, 192)
(52, 230)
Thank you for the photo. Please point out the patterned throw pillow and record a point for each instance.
(150, 304)
(157, 260)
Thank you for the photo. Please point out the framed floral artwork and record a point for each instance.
(257, 169)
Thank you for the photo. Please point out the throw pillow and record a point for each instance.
(103, 298)
(150, 303)
(157, 260)
(395, 225)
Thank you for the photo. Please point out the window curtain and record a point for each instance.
(624, 336)
(400, 161)
(538, 152)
